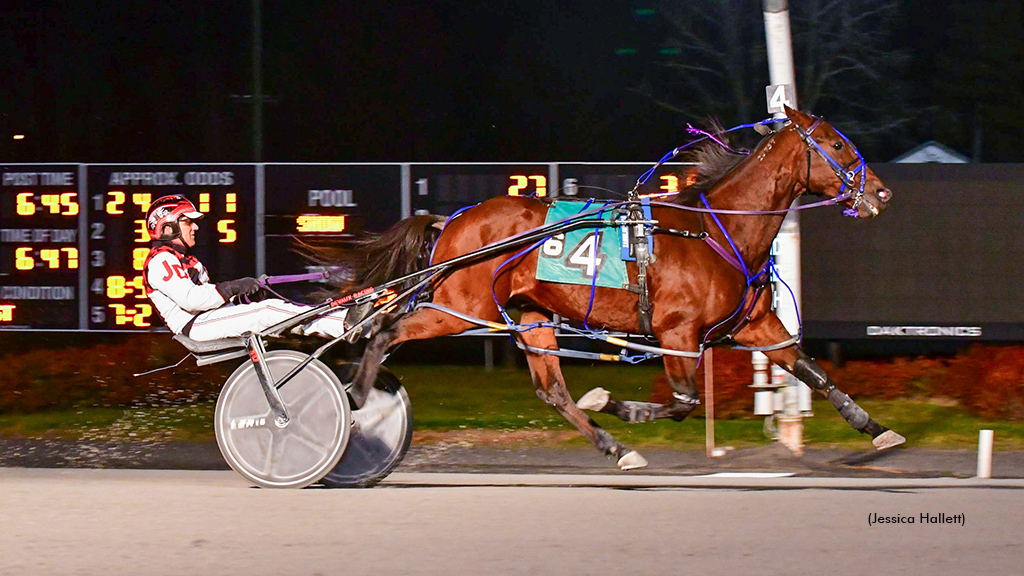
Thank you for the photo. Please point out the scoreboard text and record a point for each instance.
(73, 238)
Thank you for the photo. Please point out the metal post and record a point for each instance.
(83, 248)
(257, 82)
(779, 41)
(709, 403)
(778, 38)
(406, 201)
(261, 219)
(488, 354)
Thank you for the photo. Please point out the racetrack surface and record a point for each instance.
(456, 508)
(146, 522)
(457, 456)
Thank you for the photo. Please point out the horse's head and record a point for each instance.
(836, 169)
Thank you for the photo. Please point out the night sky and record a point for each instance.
(446, 80)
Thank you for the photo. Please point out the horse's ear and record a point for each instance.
(797, 116)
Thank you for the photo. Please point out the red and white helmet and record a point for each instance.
(164, 212)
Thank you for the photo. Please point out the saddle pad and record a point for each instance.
(575, 257)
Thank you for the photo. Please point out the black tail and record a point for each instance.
(377, 258)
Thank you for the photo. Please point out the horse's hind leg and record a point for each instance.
(369, 366)
(418, 325)
(550, 387)
(681, 373)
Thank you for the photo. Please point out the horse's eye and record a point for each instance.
(838, 145)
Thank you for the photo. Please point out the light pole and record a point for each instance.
(257, 82)
(779, 42)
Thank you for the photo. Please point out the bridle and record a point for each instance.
(847, 174)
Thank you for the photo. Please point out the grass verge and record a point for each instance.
(461, 401)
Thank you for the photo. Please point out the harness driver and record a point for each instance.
(180, 288)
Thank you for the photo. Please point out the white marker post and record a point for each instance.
(709, 403)
(781, 74)
(985, 453)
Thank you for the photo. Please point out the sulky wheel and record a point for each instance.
(380, 437)
(307, 446)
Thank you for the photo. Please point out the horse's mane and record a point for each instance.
(375, 258)
(713, 161)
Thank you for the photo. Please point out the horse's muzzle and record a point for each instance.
(878, 201)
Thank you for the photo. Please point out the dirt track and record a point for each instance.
(145, 522)
(453, 507)
(469, 453)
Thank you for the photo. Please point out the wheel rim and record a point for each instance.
(299, 453)
(381, 434)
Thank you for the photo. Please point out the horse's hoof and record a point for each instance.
(594, 400)
(632, 460)
(887, 439)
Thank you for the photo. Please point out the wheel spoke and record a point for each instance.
(275, 451)
(298, 407)
(303, 434)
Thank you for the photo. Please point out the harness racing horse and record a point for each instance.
(700, 293)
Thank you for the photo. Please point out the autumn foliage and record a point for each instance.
(102, 375)
(987, 380)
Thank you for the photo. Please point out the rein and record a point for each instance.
(534, 238)
(846, 174)
(707, 135)
(783, 211)
(648, 352)
(265, 281)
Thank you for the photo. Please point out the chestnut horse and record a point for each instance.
(695, 287)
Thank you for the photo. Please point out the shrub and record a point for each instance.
(102, 375)
(987, 380)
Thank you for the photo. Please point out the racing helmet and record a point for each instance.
(165, 212)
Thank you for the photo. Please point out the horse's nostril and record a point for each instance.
(884, 195)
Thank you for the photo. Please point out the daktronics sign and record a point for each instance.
(925, 331)
(897, 278)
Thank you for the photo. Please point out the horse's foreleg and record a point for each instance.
(549, 384)
(809, 372)
(794, 361)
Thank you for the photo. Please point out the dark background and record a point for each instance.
(947, 257)
(446, 80)
(501, 81)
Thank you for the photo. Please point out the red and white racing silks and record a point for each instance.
(179, 286)
(181, 291)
